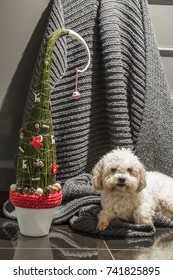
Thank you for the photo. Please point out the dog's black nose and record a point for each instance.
(121, 180)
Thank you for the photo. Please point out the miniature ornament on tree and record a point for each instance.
(54, 168)
(36, 193)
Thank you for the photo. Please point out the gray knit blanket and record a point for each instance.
(80, 208)
(125, 99)
(125, 102)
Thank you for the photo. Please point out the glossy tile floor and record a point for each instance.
(64, 243)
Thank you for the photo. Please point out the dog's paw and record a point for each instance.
(102, 225)
(144, 220)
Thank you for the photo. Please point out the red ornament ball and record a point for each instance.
(75, 95)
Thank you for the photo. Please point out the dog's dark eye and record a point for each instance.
(113, 170)
(129, 170)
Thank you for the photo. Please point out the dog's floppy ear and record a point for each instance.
(142, 177)
(97, 175)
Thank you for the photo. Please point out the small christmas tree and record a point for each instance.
(36, 167)
(36, 193)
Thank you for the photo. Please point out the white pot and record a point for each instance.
(34, 222)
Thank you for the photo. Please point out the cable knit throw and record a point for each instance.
(125, 99)
(125, 102)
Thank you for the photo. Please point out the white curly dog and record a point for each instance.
(128, 191)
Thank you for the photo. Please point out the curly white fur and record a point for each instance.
(128, 191)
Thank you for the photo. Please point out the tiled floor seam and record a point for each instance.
(108, 249)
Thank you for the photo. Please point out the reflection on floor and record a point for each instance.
(63, 243)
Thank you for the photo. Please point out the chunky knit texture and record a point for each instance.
(88, 128)
(125, 102)
(155, 145)
(125, 99)
(35, 201)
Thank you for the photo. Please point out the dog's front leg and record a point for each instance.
(143, 215)
(104, 219)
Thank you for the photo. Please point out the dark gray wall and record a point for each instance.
(22, 25)
(163, 25)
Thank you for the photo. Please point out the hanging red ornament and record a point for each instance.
(76, 94)
(36, 142)
(55, 168)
